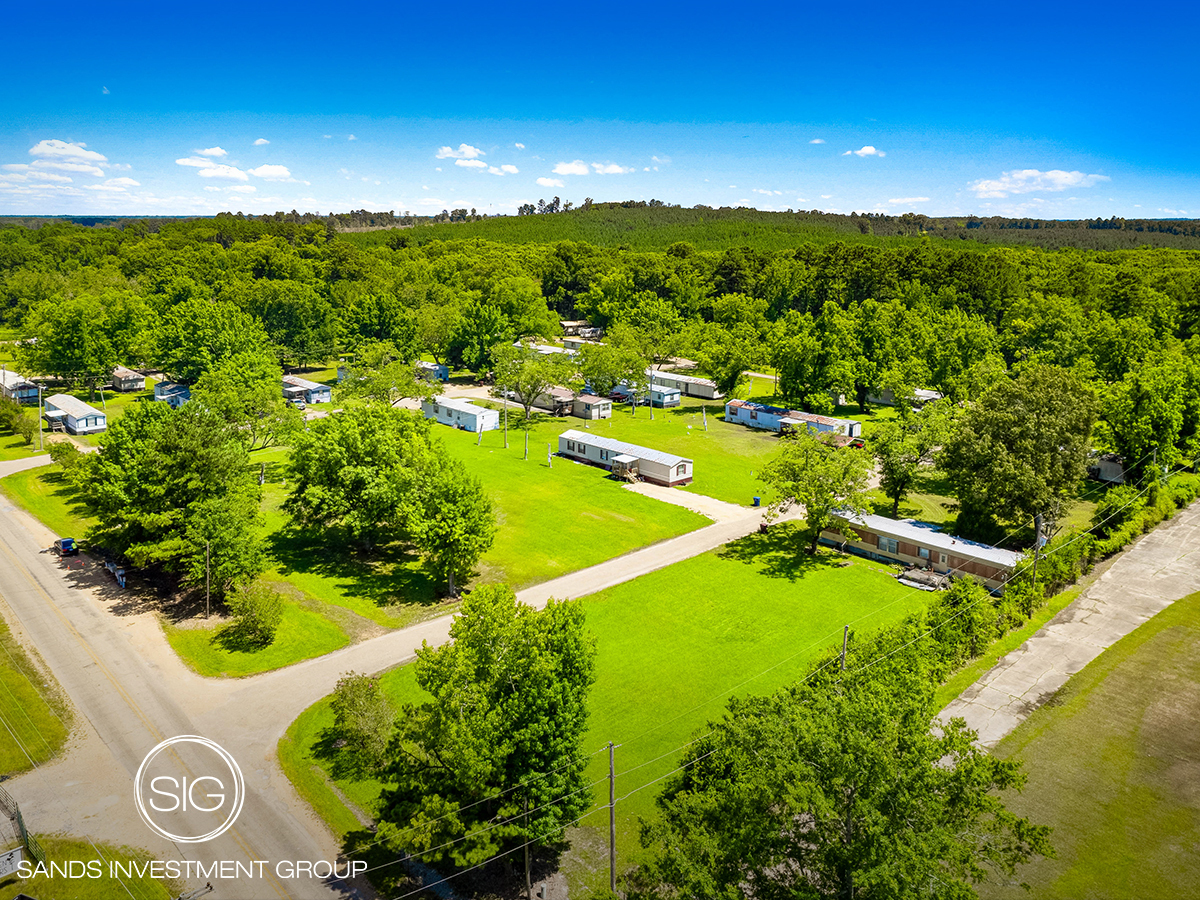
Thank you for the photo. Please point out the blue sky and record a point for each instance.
(1050, 110)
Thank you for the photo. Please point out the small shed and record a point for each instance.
(18, 387)
(577, 342)
(572, 326)
(297, 388)
(74, 414)
(653, 465)
(1108, 468)
(589, 406)
(172, 393)
(125, 380)
(430, 371)
(461, 413)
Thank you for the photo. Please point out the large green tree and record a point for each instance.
(245, 390)
(903, 446)
(501, 733)
(851, 790)
(455, 523)
(528, 374)
(1021, 449)
(811, 473)
(198, 334)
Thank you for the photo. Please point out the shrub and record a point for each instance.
(66, 455)
(24, 425)
(258, 608)
(363, 719)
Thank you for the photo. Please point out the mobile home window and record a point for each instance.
(888, 545)
(923, 552)
(682, 470)
(942, 558)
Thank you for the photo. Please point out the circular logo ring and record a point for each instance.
(239, 788)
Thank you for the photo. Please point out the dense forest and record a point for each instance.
(835, 313)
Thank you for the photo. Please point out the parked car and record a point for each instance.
(298, 404)
(66, 547)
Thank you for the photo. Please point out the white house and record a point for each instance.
(297, 388)
(430, 371)
(775, 418)
(660, 394)
(459, 412)
(689, 385)
(558, 400)
(921, 544)
(77, 416)
(17, 387)
(576, 342)
(653, 465)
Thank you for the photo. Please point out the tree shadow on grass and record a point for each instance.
(68, 493)
(779, 552)
(387, 576)
(343, 762)
(237, 638)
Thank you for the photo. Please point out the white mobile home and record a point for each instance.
(558, 400)
(576, 342)
(18, 387)
(775, 418)
(461, 413)
(589, 406)
(430, 371)
(653, 465)
(74, 414)
(125, 380)
(660, 395)
(689, 385)
(921, 544)
(297, 388)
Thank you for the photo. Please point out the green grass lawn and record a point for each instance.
(44, 493)
(14, 447)
(217, 651)
(1114, 764)
(673, 647)
(551, 521)
(61, 849)
(727, 456)
(34, 714)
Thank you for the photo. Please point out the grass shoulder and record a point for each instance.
(33, 709)
(61, 850)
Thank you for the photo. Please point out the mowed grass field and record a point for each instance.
(1114, 766)
(62, 849)
(35, 718)
(673, 647)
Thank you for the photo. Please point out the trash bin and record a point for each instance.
(757, 501)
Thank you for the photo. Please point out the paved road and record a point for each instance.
(131, 691)
(128, 704)
(1162, 567)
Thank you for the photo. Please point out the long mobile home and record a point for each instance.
(461, 413)
(74, 414)
(653, 465)
(775, 418)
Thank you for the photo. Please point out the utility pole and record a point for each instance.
(612, 822)
(528, 881)
(479, 440)
(549, 454)
(704, 414)
(527, 440)
(39, 387)
(1037, 545)
(845, 640)
(207, 578)
(504, 391)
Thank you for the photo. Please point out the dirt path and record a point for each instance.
(1162, 567)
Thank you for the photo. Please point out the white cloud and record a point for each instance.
(826, 196)
(464, 151)
(901, 201)
(82, 168)
(351, 137)
(55, 149)
(126, 182)
(662, 160)
(551, 182)
(212, 151)
(105, 90)
(261, 142)
(242, 189)
(211, 187)
(49, 176)
(609, 169)
(471, 163)
(578, 167)
(761, 191)
(230, 172)
(107, 188)
(1173, 212)
(817, 141)
(433, 201)
(1024, 181)
(271, 173)
(327, 136)
(197, 161)
(503, 170)
(519, 146)
(868, 150)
